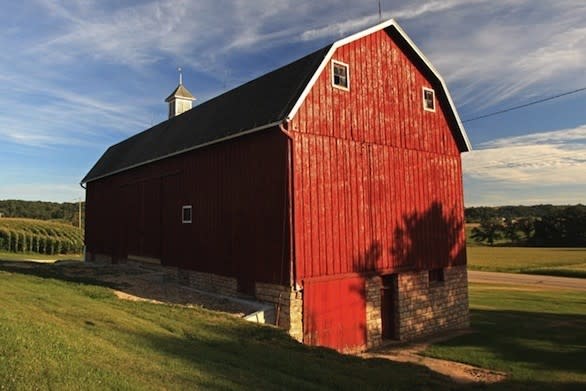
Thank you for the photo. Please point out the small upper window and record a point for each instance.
(340, 75)
(428, 99)
(186, 214)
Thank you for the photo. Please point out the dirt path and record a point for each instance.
(527, 279)
(460, 373)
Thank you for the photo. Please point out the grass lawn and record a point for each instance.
(568, 262)
(9, 256)
(57, 334)
(538, 336)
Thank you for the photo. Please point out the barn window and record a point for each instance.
(186, 214)
(436, 277)
(340, 75)
(428, 99)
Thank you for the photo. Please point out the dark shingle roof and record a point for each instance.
(262, 101)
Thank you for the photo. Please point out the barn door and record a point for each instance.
(388, 307)
(334, 313)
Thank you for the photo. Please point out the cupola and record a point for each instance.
(180, 99)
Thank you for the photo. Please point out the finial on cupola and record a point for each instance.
(180, 99)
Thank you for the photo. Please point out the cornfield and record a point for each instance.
(39, 236)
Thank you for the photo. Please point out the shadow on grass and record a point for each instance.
(538, 350)
(60, 270)
(266, 358)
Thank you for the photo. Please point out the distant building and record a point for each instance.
(331, 187)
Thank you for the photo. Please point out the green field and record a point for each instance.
(39, 236)
(537, 336)
(569, 262)
(57, 334)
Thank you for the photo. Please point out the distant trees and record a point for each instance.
(489, 230)
(66, 212)
(557, 226)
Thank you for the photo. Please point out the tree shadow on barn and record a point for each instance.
(432, 239)
(422, 241)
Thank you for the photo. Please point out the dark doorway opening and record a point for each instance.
(389, 306)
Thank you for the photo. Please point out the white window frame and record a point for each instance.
(183, 209)
(340, 63)
(424, 90)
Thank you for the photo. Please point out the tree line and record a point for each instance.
(540, 225)
(65, 212)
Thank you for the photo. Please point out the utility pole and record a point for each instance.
(79, 213)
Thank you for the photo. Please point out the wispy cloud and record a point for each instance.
(548, 158)
(494, 51)
(89, 73)
(414, 10)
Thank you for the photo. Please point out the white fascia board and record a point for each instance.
(364, 33)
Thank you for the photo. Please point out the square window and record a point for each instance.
(340, 75)
(186, 214)
(436, 277)
(428, 99)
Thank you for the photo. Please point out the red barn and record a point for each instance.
(331, 187)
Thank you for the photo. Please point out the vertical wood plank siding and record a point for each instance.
(334, 313)
(238, 192)
(377, 180)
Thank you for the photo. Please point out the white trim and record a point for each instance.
(361, 34)
(258, 128)
(423, 91)
(334, 63)
(183, 219)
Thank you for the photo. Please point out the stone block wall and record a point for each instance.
(288, 306)
(208, 282)
(425, 308)
(372, 288)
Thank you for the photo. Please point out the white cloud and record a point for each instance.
(511, 49)
(77, 76)
(412, 11)
(548, 158)
(488, 51)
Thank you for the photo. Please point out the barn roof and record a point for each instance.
(259, 104)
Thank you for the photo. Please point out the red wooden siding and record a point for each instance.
(384, 105)
(377, 180)
(238, 191)
(334, 313)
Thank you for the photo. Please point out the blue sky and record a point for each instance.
(76, 77)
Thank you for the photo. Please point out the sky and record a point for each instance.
(78, 76)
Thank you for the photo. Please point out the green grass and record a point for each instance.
(568, 262)
(537, 336)
(36, 256)
(57, 334)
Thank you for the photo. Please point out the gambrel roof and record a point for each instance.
(259, 104)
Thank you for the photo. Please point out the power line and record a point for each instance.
(525, 105)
